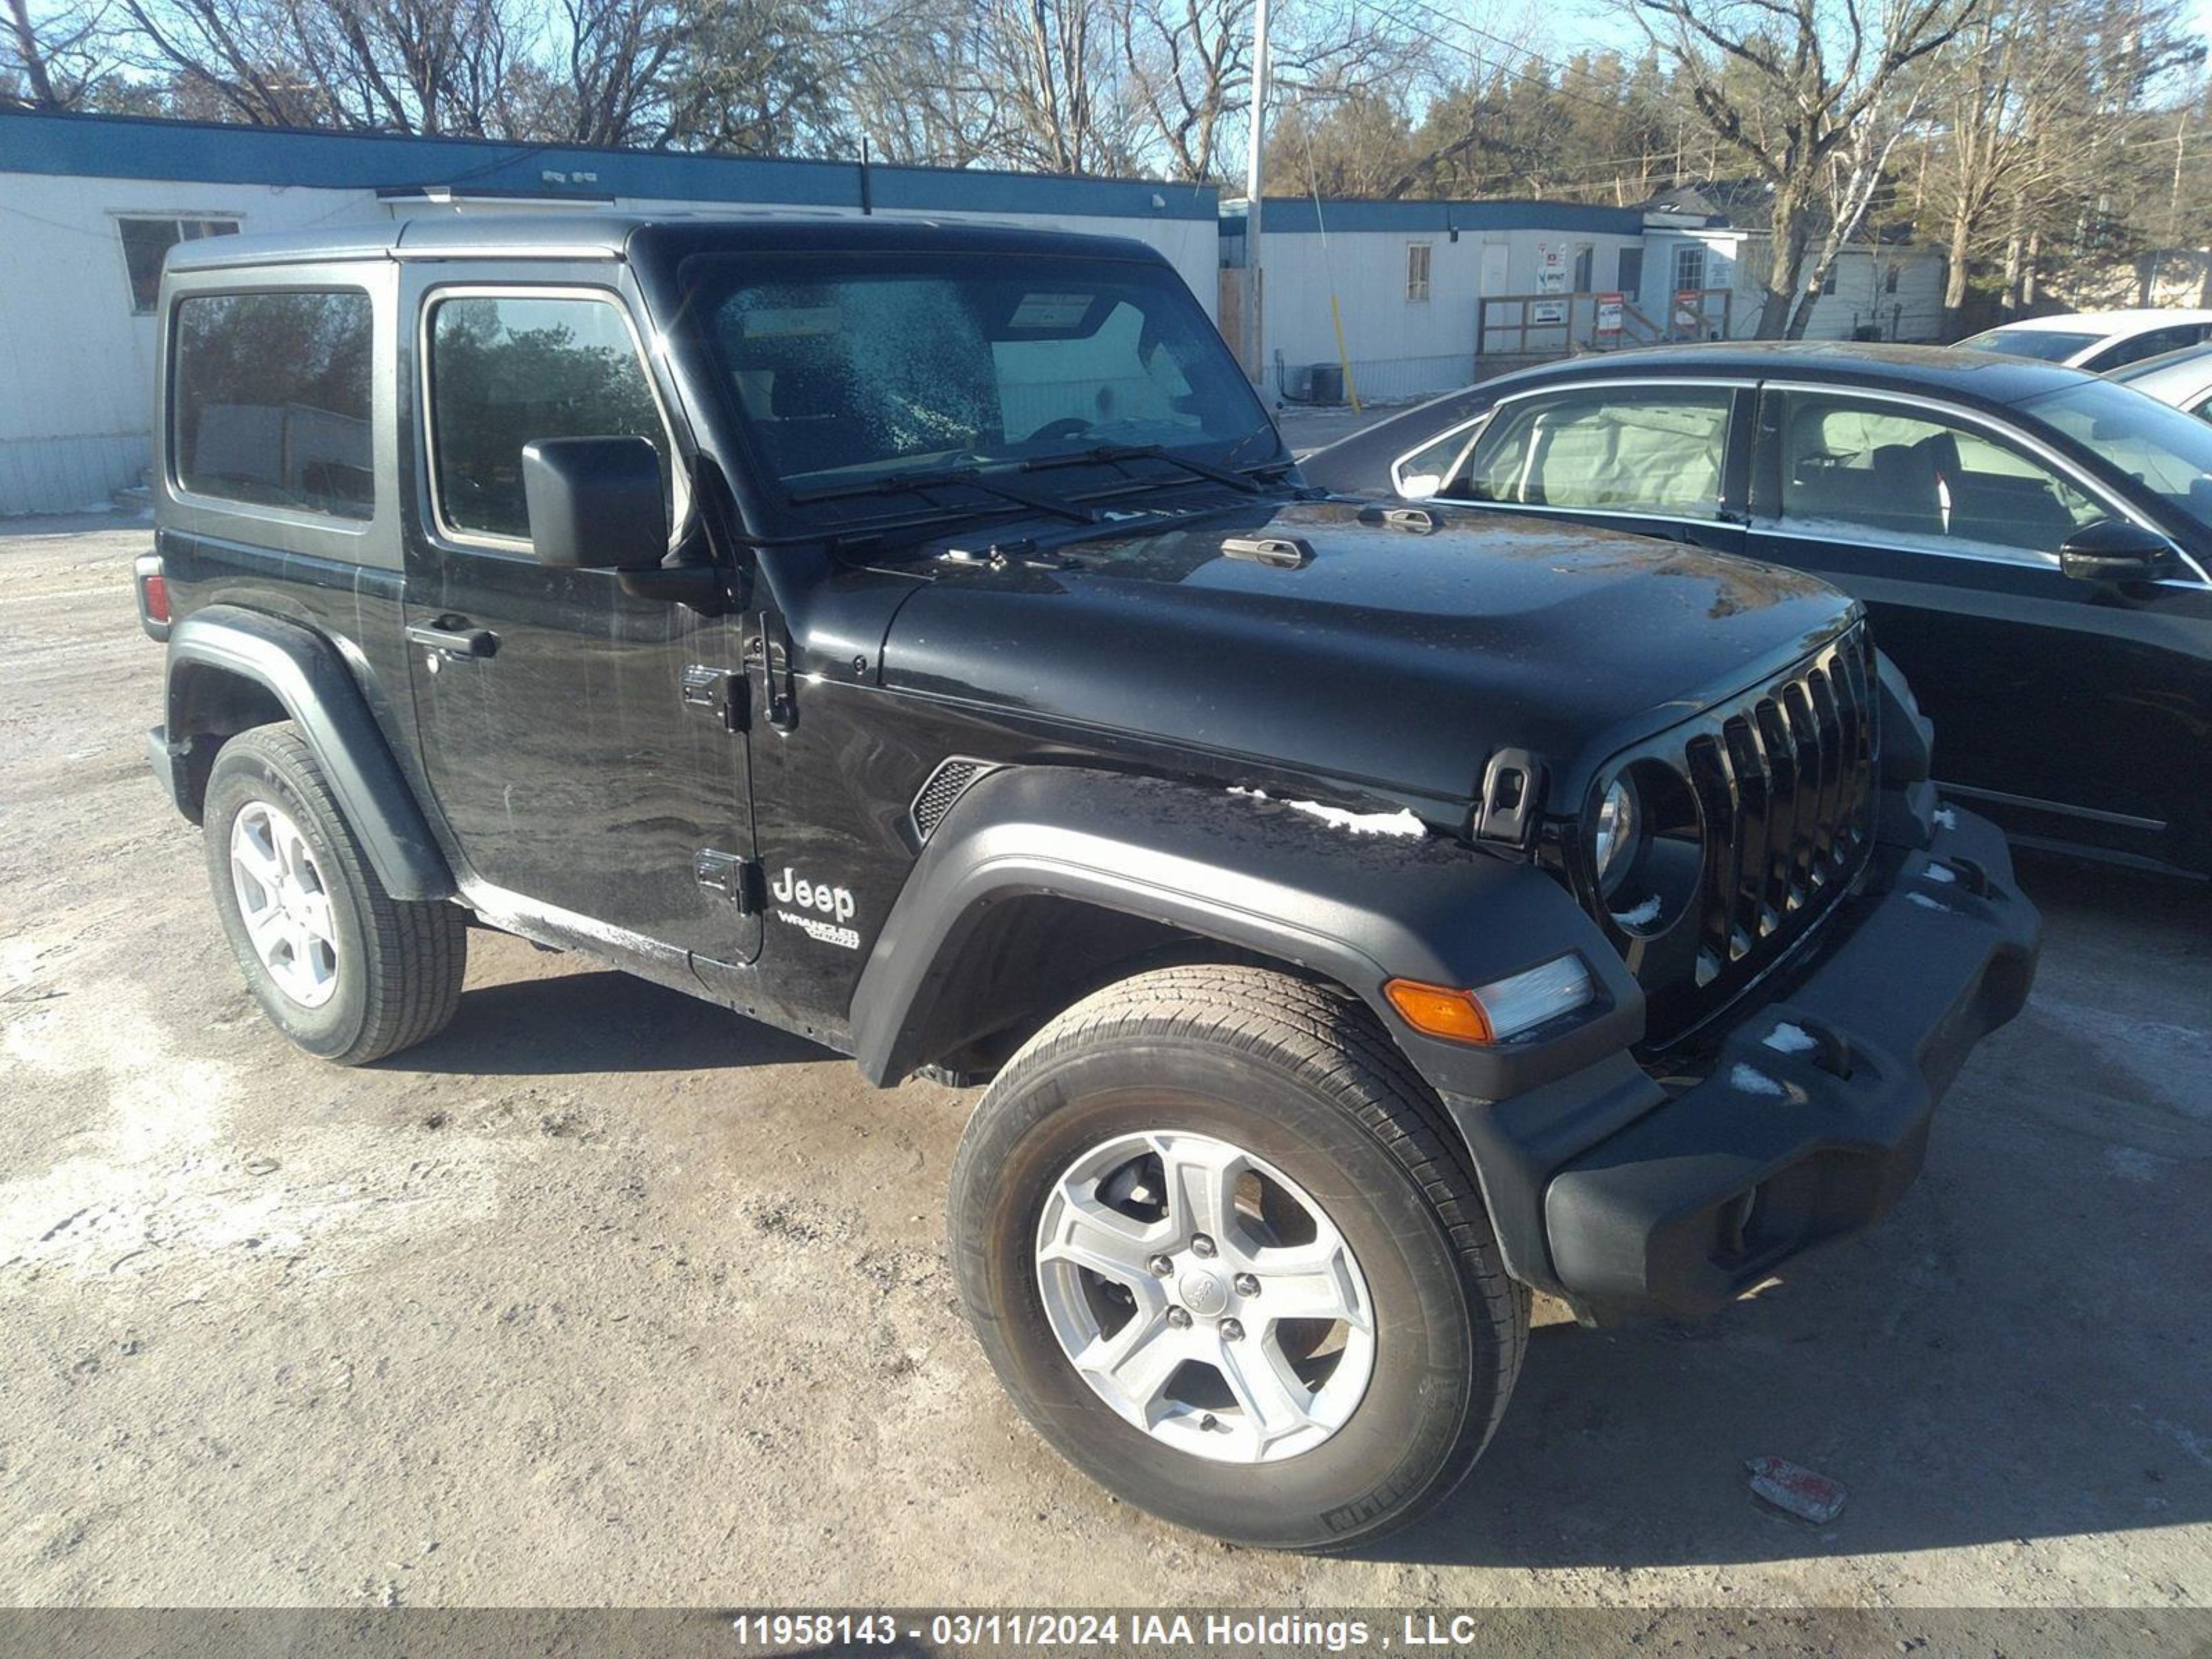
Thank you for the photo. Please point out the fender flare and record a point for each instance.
(1252, 874)
(305, 673)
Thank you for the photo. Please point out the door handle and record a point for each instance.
(460, 641)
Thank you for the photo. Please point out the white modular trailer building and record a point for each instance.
(89, 205)
(1716, 237)
(1409, 278)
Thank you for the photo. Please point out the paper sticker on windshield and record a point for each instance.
(1050, 311)
(791, 320)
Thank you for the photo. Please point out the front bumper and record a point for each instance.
(1813, 1113)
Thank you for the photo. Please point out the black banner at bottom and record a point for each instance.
(1167, 1633)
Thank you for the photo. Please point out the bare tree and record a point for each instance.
(1785, 84)
(1188, 66)
(1053, 63)
(910, 84)
(54, 62)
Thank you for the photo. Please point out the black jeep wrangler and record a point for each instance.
(918, 636)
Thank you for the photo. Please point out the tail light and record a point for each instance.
(153, 596)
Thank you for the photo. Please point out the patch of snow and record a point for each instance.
(1787, 1039)
(1750, 1080)
(1399, 822)
(1942, 874)
(1927, 903)
(1945, 818)
(1643, 914)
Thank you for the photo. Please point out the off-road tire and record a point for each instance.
(1307, 1080)
(400, 962)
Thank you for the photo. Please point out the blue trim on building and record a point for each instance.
(1295, 215)
(126, 147)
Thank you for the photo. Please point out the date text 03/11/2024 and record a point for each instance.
(1231, 1631)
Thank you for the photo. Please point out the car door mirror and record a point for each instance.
(1419, 486)
(2118, 550)
(596, 503)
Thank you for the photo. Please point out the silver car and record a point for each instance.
(2182, 378)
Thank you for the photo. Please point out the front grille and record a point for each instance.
(1784, 777)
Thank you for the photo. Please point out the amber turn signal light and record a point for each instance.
(1438, 1010)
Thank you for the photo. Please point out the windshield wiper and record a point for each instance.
(1110, 454)
(896, 484)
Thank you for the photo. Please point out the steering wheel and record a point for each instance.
(1068, 426)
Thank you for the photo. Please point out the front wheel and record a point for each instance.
(1214, 1239)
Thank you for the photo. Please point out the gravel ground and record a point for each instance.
(606, 1296)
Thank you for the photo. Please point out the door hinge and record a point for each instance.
(768, 649)
(723, 695)
(736, 879)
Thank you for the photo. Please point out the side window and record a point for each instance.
(1637, 449)
(269, 400)
(2155, 343)
(1422, 474)
(1689, 268)
(1874, 471)
(147, 242)
(508, 369)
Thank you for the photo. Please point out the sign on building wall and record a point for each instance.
(1609, 309)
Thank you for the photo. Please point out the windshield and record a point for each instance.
(2168, 452)
(2052, 344)
(853, 367)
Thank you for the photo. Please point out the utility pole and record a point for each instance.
(1255, 341)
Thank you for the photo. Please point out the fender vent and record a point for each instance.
(947, 784)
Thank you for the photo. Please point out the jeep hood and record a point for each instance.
(1395, 658)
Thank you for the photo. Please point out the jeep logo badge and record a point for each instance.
(836, 902)
(1202, 1292)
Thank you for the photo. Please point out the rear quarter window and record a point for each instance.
(269, 400)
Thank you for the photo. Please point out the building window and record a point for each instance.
(1828, 276)
(270, 401)
(146, 241)
(1629, 278)
(1889, 278)
(1417, 272)
(1689, 269)
(1585, 270)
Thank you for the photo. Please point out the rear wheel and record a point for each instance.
(1214, 1239)
(341, 967)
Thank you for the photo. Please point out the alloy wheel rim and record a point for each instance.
(1205, 1298)
(285, 904)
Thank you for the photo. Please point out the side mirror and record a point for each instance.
(1419, 486)
(2116, 551)
(596, 503)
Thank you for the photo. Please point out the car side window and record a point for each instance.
(1424, 471)
(271, 400)
(1863, 471)
(1656, 450)
(506, 369)
(2155, 343)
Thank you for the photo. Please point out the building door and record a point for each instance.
(1494, 269)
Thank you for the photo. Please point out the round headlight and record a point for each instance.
(1616, 827)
